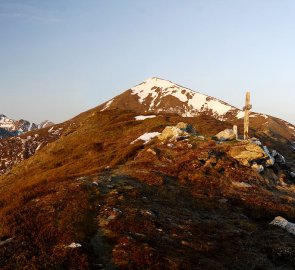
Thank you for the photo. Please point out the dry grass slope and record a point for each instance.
(132, 209)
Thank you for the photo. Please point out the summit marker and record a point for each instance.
(247, 109)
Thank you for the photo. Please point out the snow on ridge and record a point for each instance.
(143, 117)
(196, 101)
(146, 137)
(108, 104)
(258, 114)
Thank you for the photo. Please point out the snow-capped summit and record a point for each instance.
(165, 95)
(159, 95)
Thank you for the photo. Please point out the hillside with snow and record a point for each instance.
(142, 181)
(158, 96)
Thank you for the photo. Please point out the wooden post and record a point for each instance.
(235, 129)
(247, 109)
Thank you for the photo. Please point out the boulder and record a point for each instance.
(247, 153)
(226, 135)
(171, 133)
(285, 224)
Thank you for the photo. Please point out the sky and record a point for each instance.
(61, 57)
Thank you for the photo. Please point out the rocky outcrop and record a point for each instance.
(285, 224)
(180, 131)
(247, 152)
(171, 133)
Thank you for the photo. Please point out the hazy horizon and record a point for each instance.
(60, 58)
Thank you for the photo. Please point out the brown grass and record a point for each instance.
(170, 217)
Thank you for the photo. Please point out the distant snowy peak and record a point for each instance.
(16, 127)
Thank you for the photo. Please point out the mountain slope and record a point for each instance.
(137, 206)
(90, 193)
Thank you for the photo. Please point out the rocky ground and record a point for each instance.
(175, 199)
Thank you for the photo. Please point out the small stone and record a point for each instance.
(151, 151)
(186, 127)
(148, 213)
(270, 162)
(223, 200)
(185, 243)
(74, 245)
(2, 243)
(257, 168)
(241, 185)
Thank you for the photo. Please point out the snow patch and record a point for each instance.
(258, 115)
(143, 117)
(74, 245)
(108, 104)
(146, 137)
(240, 114)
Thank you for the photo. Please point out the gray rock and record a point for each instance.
(226, 135)
(285, 224)
(2, 243)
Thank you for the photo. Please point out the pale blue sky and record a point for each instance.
(61, 57)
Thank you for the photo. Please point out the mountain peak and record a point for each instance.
(164, 95)
(154, 82)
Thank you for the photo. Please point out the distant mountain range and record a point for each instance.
(10, 127)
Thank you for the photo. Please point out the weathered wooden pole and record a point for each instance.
(235, 129)
(247, 109)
